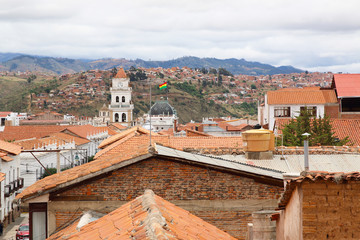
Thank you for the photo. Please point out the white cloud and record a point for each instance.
(311, 33)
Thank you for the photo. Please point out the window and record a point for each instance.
(116, 117)
(123, 99)
(117, 99)
(350, 104)
(282, 112)
(311, 111)
(123, 117)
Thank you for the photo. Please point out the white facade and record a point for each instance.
(159, 123)
(31, 170)
(12, 175)
(121, 107)
(11, 117)
(268, 114)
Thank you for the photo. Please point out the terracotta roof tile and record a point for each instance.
(7, 158)
(2, 176)
(347, 85)
(120, 73)
(301, 96)
(114, 138)
(146, 217)
(12, 133)
(69, 138)
(342, 128)
(83, 130)
(130, 150)
(10, 148)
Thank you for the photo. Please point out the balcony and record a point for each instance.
(21, 182)
(7, 190)
(12, 187)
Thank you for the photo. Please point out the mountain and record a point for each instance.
(16, 62)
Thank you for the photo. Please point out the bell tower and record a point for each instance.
(121, 106)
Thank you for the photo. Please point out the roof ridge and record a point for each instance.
(154, 222)
(114, 144)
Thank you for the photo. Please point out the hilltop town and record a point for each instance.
(213, 92)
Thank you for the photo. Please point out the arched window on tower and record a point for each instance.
(117, 99)
(123, 117)
(116, 117)
(123, 99)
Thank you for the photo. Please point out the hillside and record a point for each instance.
(24, 63)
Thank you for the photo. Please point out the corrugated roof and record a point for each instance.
(146, 217)
(295, 163)
(311, 95)
(347, 85)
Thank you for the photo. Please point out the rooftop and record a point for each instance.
(347, 85)
(146, 217)
(310, 95)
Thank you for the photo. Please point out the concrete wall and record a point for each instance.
(289, 226)
(223, 199)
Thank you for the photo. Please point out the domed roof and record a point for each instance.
(162, 108)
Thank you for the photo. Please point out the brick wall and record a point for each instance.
(331, 210)
(332, 111)
(179, 181)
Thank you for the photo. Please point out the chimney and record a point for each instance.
(306, 151)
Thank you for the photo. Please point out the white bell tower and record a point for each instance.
(121, 107)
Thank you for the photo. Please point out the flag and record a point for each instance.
(162, 86)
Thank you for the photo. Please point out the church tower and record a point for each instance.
(121, 107)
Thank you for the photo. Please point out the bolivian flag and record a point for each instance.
(163, 86)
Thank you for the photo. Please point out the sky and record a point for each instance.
(314, 35)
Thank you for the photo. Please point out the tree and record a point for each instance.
(320, 129)
(114, 71)
(253, 86)
(225, 72)
(31, 78)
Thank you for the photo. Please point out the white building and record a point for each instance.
(10, 179)
(163, 116)
(290, 102)
(11, 119)
(121, 106)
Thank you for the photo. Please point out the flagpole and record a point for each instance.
(150, 110)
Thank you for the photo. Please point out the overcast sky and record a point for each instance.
(315, 35)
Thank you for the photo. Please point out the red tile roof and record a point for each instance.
(312, 95)
(2, 176)
(146, 217)
(347, 85)
(131, 150)
(9, 148)
(83, 130)
(114, 144)
(342, 128)
(138, 130)
(312, 177)
(4, 114)
(120, 73)
(12, 133)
